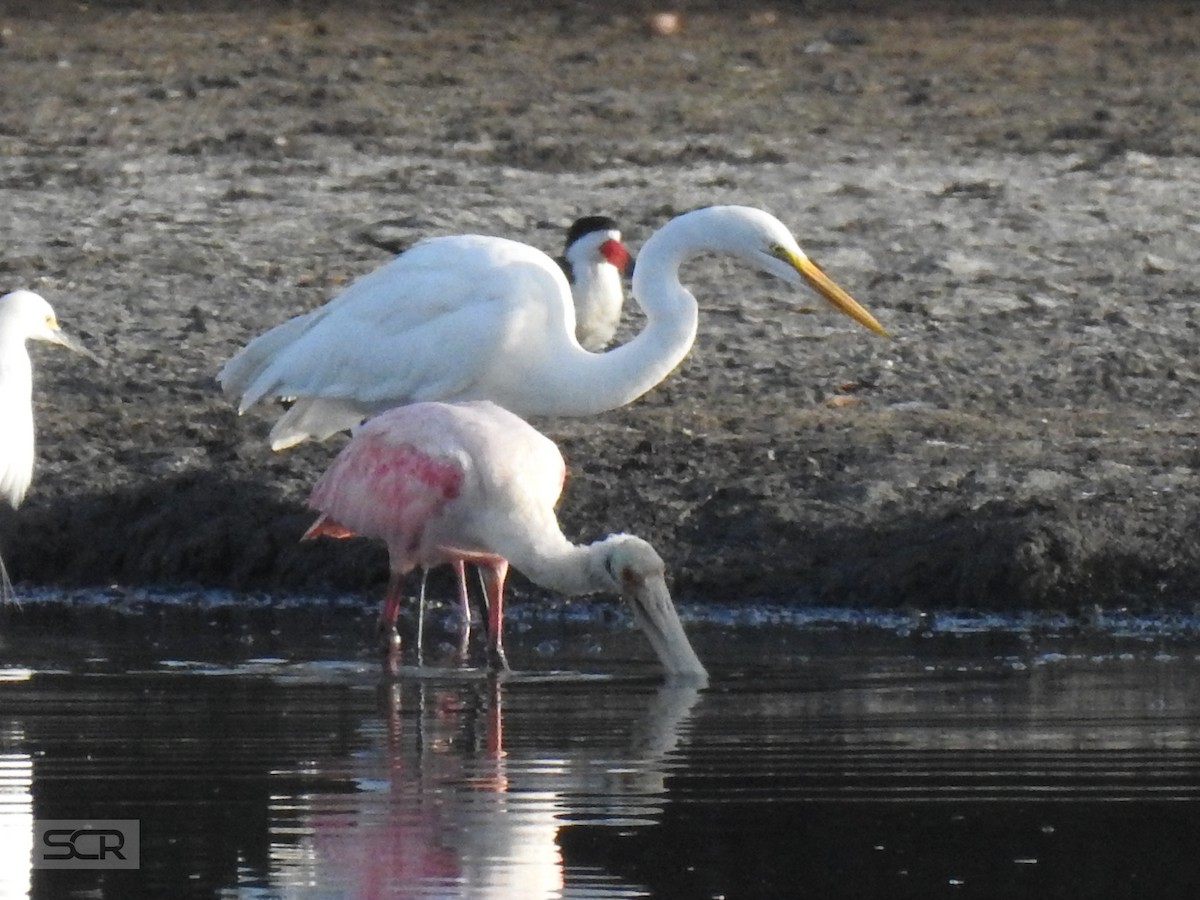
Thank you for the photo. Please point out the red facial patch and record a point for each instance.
(614, 251)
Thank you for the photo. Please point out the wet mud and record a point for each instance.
(1015, 196)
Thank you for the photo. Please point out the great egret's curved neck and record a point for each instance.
(591, 383)
(668, 248)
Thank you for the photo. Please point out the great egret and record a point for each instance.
(484, 318)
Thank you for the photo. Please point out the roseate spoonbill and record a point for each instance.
(594, 260)
(472, 482)
(24, 316)
(484, 318)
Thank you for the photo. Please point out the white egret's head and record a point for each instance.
(30, 318)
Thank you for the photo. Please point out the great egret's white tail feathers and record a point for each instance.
(314, 418)
(241, 372)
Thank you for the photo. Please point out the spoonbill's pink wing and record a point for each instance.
(383, 489)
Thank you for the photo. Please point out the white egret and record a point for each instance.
(24, 316)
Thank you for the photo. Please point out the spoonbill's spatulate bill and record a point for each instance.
(471, 482)
(484, 318)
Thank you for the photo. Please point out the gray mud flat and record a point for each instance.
(1017, 197)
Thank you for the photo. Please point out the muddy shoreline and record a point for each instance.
(1015, 197)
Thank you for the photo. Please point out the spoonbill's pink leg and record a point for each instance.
(389, 613)
(493, 574)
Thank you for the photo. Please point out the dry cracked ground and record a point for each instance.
(1015, 195)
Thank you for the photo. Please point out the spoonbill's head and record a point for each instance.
(636, 572)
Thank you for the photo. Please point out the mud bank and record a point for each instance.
(1015, 197)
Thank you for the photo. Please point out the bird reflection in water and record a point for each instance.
(439, 806)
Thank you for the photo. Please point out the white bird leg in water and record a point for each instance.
(421, 619)
(7, 593)
(464, 599)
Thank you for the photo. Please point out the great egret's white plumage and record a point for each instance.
(472, 482)
(594, 260)
(484, 318)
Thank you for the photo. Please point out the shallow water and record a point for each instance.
(828, 757)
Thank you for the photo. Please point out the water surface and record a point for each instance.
(825, 759)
